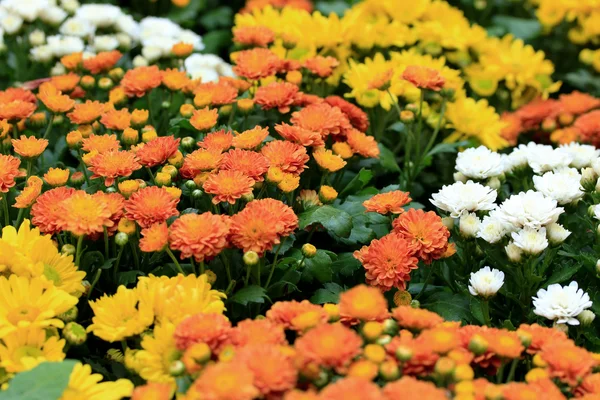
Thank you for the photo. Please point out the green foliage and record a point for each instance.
(46, 381)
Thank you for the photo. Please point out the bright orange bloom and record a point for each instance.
(259, 36)
(140, 80)
(322, 118)
(503, 343)
(53, 98)
(358, 118)
(362, 144)
(284, 312)
(153, 391)
(589, 127)
(420, 389)
(9, 170)
(101, 143)
(381, 80)
(328, 161)
(251, 138)
(288, 220)
(113, 164)
(57, 177)
(329, 346)
(541, 336)
(182, 49)
(363, 303)
(11, 94)
(86, 113)
(590, 384)
(31, 192)
(351, 388)
(533, 113)
(576, 103)
(116, 119)
(239, 84)
(228, 186)
(29, 147)
(65, 83)
(217, 94)
(219, 141)
(102, 61)
(423, 357)
(568, 362)
(16, 110)
(321, 66)
(541, 389)
(115, 203)
(424, 78)
(158, 151)
(274, 371)
(289, 157)
(47, 207)
(426, 233)
(512, 128)
(224, 381)
(260, 331)
(204, 119)
(388, 261)
(256, 63)
(72, 61)
(117, 95)
(199, 161)
(202, 236)
(250, 163)
(83, 214)
(278, 95)
(154, 238)
(565, 135)
(296, 394)
(210, 328)
(388, 203)
(151, 205)
(299, 135)
(416, 318)
(174, 79)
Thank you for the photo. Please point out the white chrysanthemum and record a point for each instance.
(154, 26)
(152, 53)
(100, 15)
(561, 304)
(58, 69)
(564, 185)
(126, 24)
(69, 5)
(190, 37)
(516, 159)
(29, 10)
(53, 16)
(164, 44)
(557, 233)
(43, 53)
(486, 282)
(226, 69)
(461, 198)
(531, 241)
(493, 229)
(139, 61)
(63, 45)
(37, 37)
(542, 158)
(529, 209)
(597, 211)
(105, 43)
(11, 23)
(583, 154)
(469, 225)
(77, 27)
(596, 166)
(204, 66)
(479, 163)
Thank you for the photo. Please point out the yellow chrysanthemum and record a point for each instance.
(157, 354)
(85, 385)
(24, 349)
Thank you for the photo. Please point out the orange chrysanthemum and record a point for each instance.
(589, 127)
(240, 85)
(288, 220)
(322, 118)
(210, 328)
(260, 331)
(363, 303)
(102, 61)
(86, 113)
(289, 157)
(113, 164)
(16, 110)
(57, 176)
(381, 80)
(202, 236)
(576, 103)
(65, 83)
(388, 261)
(47, 207)
(29, 147)
(72, 61)
(256, 63)
(224, 381)
(541, 336)
(541, 389)
(299, 135)
(174, 79)
(424, 78)
(419, 389)
(503, 343)
(358, 118)
(512, 127)
(565, 135)
(284, 312)
(423, 357)
(228, 186)
(362, 144)
(11, 94)
(151, 205)
(9, 170)
(568, 362)
(329, 346)
(351, 388)
(154, 238)
(590, 385)
(251, 138)
(273, 371)
(83, 214)
(140, 80)
(199, 161)
(101, 143)
(250, 163)
(116, 119)
(158, 151)
(533, 113)
(328, 161)
(204, 119)
(259, 36)
(388, 203)
(278, 95)
(182, 49)
(115, 203)
(426, 233)
(153, 391)
(321, 66)
(217, 94)
(32, 190)
(416, 318)
(219, 141)
(53, 98)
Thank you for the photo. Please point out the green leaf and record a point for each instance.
(318, 267)
(563, 273)
(525, 29)
(188, 13)
(361, 180)
(332, 219)
(128, 277)
(453, 307)
(217, 40)
(387, 159)
(338, 7)
(250, 294)
(220, 17)
(346, 264)
(46, 381)
(446, 148)
(476, 311)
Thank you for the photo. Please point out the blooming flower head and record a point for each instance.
(388, 203)
(362, 144)
(65, 83)
(140, 80)
(561, 303)
(53, 98)
(285, 313)
(217, 94)
(154, 238)
(542, 158)
(588, 126)
(84, 384)
(260, 331)
(424, 78)
(408, 384)
(219, 141)
(228, 186)
(280, 95)
(24, 350)
(30, 192)
(288, 221)
(529, 209)
(486, 282)
(259, 36)
(29, 147)
(583, 154)
(460, 198)
(388, 261)
(287, 156)
(225, 381)
(300, 136)
(329, 346)
(321, 66)
(322, 118)
(479, 163)
(9, 170)
(250, 163)
(576, 103)
(328, 161)
(256, 63)
(351, 388)
(363, 303)
(357, 117)
(83, 214)
(426, 233)
(251, 138)
(113, 164)
(100, 143)
(255, 228)
(151, 205)
(416, 318)
(56, 177)
(567, 362)
(503, 343)
(47, 207)
(202, 236)
(204, 119)
(530, 241)
(102, 62)
(201, 160)
(153, 390)
(86, 113)
(273, 370)
(563, 186)
(174, 79)
(210, 328)
(117, 120)
(157, 151)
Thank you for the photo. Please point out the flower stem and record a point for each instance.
(274, 265)
(170, 253)
(5, 212)
(485, 310)
(511, 372)
(79, 250)
(150, 173)
(19, 217)
(49, 127)
(116, 268)
(427, 279)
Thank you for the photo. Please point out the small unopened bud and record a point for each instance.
(139, 117)
(384, 340)
(565, 119)
(556, 233)
(403, 353)
(127, 226)
(186, 110)
(199, 353)
(478, 345)
(251, 258)
(464, 372)
(87, 82)
(171, 170)
(333, 311)
(469, 225)
(525, 337)
(589, 179)
(308, 250)
(69, 315)
(389, 370)
(407, 116)
(74, 334)
(116, 74)
(322, 379)
(445, 366)
(448, 222)
(149, 135)
(561, 327)
(68, 249)
(514, 253)
(586, 317)
(130, 136)
(294, 77)
(494, 183)
(190, 184)
(105, 83)
(121, 239)
(176, 159)
(548, 125)
(162, 179)
(197, 193)
(211, 277)
(460, 177)
(372, 330)
(165, 104)
(327, 194)
(598, 267)
(176, 368)
(188, 143)
(245, 105)
(74, 139)
(536, 374)
(226, 109)
(390, 327)
(248, 197)
(415, 303)
(375, 353)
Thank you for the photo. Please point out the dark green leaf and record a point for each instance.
(387, 159)
(46, 381)
(217, 40)
(250, 294)
(563, 273)
(318, 267)
(453, 307)
(446, 148)
(332, 219)
(323, 296)
(128, 277)
(218, 18)
(188, 13)
(525, 29)
(346, 264)
(476, 310)
(361, 180)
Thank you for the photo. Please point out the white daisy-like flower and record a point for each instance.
(529, 209)
(486, 282)
(563, 185)
(461, 198)
(100, 15)
(583, 154)
(557, 233)
(11, 23)
(43, 53)
(155, 26)
(207, 67)
(105, 43)
(63, 45)
(531, 241)
(29, 10)
(561, 304)
(77, 27)
(513, 253)
(126, 24)
(53, 15)
(191, 37)
(37, 37)
(542, 158)
(493, 229)
(469, 225)
(479, 163)
(516, 159)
